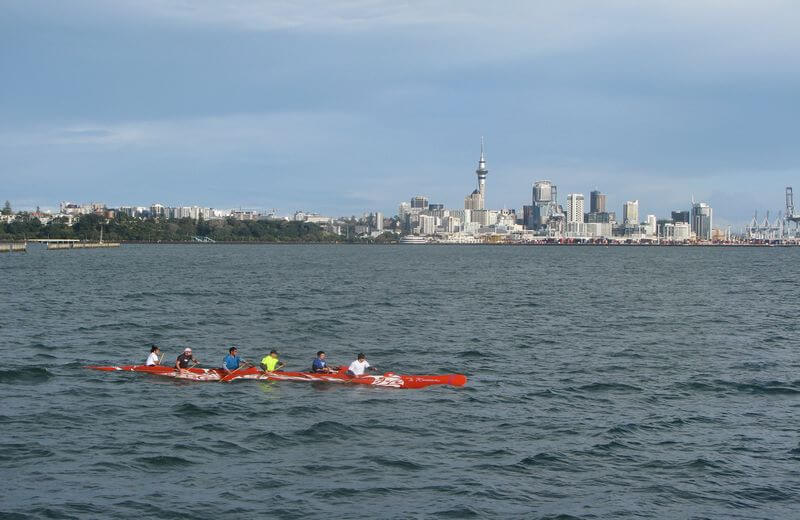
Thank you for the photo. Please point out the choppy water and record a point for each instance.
(604, 383)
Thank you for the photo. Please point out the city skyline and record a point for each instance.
(350, 107)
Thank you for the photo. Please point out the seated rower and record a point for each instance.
(152, 359)
(271, 363)
(320, 366)
(182, 363)
(359, 366)
(232, 361)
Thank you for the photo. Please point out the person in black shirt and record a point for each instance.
(184, 359)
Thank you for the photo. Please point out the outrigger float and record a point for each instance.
(389, 379)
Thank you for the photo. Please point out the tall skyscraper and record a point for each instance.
(630, 213)
(477, 199)
(545, 204)
(481, 172)
(419, 202)
(681, 216)
(702, 220)
(597, 202)
(575, 203)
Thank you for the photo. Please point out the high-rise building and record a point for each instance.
(403, 209)
(427, 225)
(575, 202)
(650, 226)
(597, 202)
(680, 216)
(701, 220)
(420, 202)
(545, 203)
(477, 199)
(630, 213)
(527, 216)
(378, 221)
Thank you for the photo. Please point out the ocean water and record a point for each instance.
(603, 383)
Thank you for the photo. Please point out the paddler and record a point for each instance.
(152, 359)
(182, 363)
(232, 361)
(320, 365)
(359, 366)
(270, 363)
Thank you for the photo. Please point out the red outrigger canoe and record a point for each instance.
(389, 379)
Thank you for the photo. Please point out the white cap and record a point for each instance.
(187, 349)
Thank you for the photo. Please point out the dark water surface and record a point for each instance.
(604, 383)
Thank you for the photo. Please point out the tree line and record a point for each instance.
(127, 229)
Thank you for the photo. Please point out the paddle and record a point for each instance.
(229, 376)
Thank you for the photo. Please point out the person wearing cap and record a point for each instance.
(182, 363)
(359, 366)
(271, 363)
(152, 359)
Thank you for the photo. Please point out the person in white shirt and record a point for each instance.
(152, 359)
(359, 366)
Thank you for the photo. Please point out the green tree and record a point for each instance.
(7, 208)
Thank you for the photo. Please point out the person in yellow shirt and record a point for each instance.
(271, 363)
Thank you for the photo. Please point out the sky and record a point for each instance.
(347, 107)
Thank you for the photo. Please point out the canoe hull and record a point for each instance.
(387, 380)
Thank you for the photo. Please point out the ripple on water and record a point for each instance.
(164, 462)
(25, 376)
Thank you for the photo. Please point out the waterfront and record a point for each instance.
(604, 382)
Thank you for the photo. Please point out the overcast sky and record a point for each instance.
(353, 106)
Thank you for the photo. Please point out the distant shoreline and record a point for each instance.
(521, 244)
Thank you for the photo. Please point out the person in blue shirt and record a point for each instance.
(232, 361)
(320, 365)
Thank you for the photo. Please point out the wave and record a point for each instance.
(18, 452)
(752, 387)
(398, 463)
(192, 410)
(540, 459)
(326, 430)
(459, 512)
(165, 461)
(607, 387)
(31, 375)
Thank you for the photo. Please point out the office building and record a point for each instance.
(575, 202)
(630, 213)
(427, 225)
(419, 202)
(600, 217)
(597, 202)
(680, 216)
(545, 204)
(650, 226)
(701, 220)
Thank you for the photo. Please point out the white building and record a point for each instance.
(575, 206)
(650, 226)
(427, 225)
(451, 224)
(681, 232)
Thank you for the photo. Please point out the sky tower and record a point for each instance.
(482, 172)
